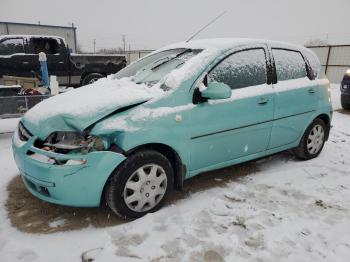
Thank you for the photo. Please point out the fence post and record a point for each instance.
(327, 62)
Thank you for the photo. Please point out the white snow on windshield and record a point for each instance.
(191, 67)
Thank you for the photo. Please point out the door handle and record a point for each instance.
(25, 63)
(263, 101)
(61, 62)
(311, 90)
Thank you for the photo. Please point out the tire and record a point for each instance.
(131, 193)
(91, 78)
(345, 101)
(312, 142)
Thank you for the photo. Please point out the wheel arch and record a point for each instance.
(326, 119)
(171, 154)
(86, 73)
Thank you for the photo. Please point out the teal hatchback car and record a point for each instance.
(132, 137)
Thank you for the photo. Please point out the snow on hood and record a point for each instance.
(79, 108)
(142, 113)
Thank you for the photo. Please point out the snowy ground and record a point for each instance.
(288, 210)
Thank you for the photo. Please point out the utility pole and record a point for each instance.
(94, 46)
(124, 43)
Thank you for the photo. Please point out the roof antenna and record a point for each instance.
(204, 27)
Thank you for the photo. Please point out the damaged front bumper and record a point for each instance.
(79, 182)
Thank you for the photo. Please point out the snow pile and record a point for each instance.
(106, 94)
(57, 223)
(8, 125)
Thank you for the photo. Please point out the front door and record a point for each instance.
(224, 130)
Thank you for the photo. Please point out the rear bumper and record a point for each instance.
(72, 185)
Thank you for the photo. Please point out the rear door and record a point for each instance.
(224, 130)
(296, 96)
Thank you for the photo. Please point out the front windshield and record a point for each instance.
(153, 68)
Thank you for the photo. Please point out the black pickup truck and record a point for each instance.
(19, 57)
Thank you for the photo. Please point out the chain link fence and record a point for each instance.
(16, 106)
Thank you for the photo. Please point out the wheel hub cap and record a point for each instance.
(145, 188)
(315, 139)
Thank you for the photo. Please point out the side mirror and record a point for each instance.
(217, 90)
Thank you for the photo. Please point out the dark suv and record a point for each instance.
(345, 90)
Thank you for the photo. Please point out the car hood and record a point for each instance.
(80, 108)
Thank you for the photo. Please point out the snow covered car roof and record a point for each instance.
(221, 44)
(227, 43)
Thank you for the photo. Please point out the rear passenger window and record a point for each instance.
(46, 45)
(289, 64)
(241, 69)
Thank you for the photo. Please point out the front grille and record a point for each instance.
(23, 133)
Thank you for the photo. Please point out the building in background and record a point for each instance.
(335, 60)
(69, 33)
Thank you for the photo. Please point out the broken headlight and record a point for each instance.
(64, 142)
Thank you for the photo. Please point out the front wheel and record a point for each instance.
(140, 185)
(313, 140)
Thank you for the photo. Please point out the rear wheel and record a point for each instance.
(312, 141)
(140, 185)
(91, 78)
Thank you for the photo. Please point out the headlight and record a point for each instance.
(348, 72)
(74, 141)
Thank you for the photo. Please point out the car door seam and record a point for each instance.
(259, 123)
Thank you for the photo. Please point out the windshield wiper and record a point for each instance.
(170, 59)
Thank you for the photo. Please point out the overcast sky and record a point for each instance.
(150, 24)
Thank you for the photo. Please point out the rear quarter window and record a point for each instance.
(314, 63)
(289, 64)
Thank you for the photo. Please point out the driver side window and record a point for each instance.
(241, 69)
